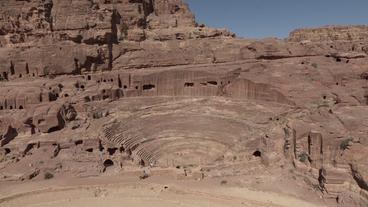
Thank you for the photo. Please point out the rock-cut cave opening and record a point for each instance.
(148, 87)
(108, 163)
(257, 153)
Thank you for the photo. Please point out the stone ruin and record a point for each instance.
(104, 86)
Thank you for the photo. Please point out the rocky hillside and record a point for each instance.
(95, 86)
(331, 34)
(85, 36)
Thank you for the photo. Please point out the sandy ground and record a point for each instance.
(128, 191)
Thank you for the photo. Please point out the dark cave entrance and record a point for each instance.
(142, 163)
(53, 129)
(148, 87)
(257, 153)
(53, 96)
(78, 142)
(119, 82)
(112, 151)
(212, 83)
(7, 151)
(108, 163)
(188, 84)
(5, 75)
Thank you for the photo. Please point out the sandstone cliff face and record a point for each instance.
(100, 84)
(330, 33)
(90, 35)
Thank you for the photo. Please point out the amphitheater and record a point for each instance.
(135, 103)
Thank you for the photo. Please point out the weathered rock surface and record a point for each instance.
(330, 34)
(91, 86)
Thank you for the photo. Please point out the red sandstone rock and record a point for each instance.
(88, 86)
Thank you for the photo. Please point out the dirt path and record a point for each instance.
(108, 191)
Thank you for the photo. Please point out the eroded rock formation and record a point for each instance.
(108, 86)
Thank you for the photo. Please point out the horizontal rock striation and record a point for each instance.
(330, 34)
(89, 87)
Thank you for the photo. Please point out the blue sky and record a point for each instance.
(276, 18)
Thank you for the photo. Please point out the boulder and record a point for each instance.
(50, 118)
